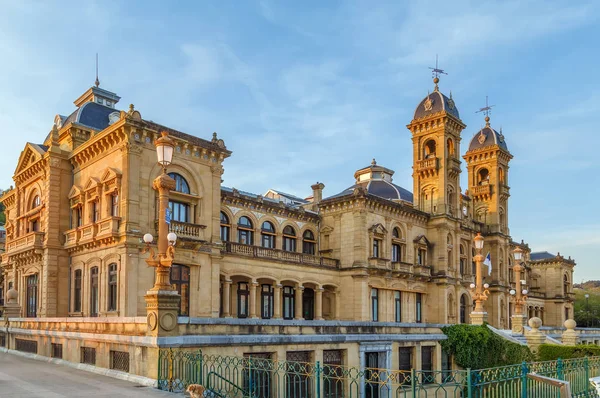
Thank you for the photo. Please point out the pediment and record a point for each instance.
(378, 229)
(327, 229)
(30, 154)
(110, 174)
(92, 183)
(422, 240)
(74, 192)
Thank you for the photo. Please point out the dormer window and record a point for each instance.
(109, 104)
(99, 100)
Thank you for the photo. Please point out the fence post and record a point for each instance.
(318, 371)
(160, 354)
(524, 372)
(413, 382)
(201, 364)
(559, 369)
(587, 376)
(250, 381)
(469, 384)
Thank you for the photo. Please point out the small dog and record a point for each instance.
(195, 391)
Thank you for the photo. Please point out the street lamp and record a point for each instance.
(166, 240)
(479, 290)
(519, 294)
(587, 310)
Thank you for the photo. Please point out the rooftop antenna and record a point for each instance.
(97, 81)
(486, 110)
(436, 72)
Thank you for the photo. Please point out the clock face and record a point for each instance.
(465, 210)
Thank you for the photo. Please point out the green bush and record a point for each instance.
(551, 352)
(477, 347)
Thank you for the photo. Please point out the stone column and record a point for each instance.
(227, 298)
(569, 336)
(319, 304)
(253, 285)
(277, 301)
(298, 304)
(534, 337)
(518, 321)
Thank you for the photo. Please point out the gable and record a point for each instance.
(91, 184)
(74, 192)
(110, 174)
(422, 240)
(30, 154)
(378, 229)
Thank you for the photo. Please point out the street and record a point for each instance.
(23, 377)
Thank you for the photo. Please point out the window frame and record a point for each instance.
(267, 298)
(374, 304)
(268, 237)
(419, 308)
(32, 282)
(182, 286)
(225, 229)
(77, 290)
(181, 184)
(289, 300)
(289, 239)
(309, 244)
(94, 291)
(245, 231)
(246, 294)
(113, 287)
(398, 306)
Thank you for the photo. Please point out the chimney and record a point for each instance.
(317, 192)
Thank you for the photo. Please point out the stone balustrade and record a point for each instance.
(275, 254)
(33, 240)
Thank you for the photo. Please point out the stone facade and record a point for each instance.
(372, 259)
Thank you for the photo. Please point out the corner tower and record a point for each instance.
(487, 164)
(435, 129)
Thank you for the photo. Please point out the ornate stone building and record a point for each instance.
(366, 272)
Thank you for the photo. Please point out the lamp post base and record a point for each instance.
(162, 307)
(479, 318)
(518, 323)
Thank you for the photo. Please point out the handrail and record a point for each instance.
(211, 388)
(564, 386)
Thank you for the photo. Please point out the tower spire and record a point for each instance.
(486, 110)
(97, 82)
(436, 72)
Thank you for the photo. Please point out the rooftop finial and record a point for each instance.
(55, 135)
(97, 81)
(436, 72)
(373, 162)
(486, 110)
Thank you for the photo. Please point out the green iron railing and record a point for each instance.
(252, 377)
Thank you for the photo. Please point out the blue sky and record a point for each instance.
(313, 90)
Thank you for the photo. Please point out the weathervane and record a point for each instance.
(486, 110)
(97, 81)
(436, 72)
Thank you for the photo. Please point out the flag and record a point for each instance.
(488, 262)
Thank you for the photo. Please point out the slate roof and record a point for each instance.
(541, 256)
(492, 137)
(439, 103)
(91, 115)
(381, 188)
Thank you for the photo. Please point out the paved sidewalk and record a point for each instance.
(23, 377)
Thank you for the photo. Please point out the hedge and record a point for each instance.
(477, 347)
(551, 352)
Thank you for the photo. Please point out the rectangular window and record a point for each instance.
(96, 211)
(446, 367)
(179, 211)
(88, 355)
(77, 291)
(333, 374)
(405, 359)
(79, 216)
(266, 303)
(114, 209)
(396, 253)
(112, 287)
(428, 375)
(243, 296)
(94, 292)
(32, 290)
(180, 280)
(289, 302)
(421, 256)
(419, 307)
(257, 376)
(375, 304)
(398, 306)
(57, 351)
(376, 247)
(298, 381)
(119, 360)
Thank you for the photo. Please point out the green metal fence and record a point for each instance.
(262, 377)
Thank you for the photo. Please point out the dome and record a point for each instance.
(377, 180)
(487, 136)
(434, 103)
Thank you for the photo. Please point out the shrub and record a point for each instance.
(477, 347)
(551, 352)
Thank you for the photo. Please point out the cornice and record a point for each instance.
(239, 200)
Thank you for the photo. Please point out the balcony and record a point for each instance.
(427, 166)
(108, 227)
(186, 230)
(377, 262)
(405, 268)
(481, 190)
(33, 240)
(275, 254)
(94, 233)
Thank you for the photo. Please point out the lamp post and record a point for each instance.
(162, 301)
(479, 290)
(587, 310)
(519, 294)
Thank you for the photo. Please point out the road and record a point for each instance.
(23, 377)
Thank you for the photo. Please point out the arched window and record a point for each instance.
(245, 231)
(450, 147)
(429, 149)
(463, 308)
(289, 239)
(266, 301)
(309, 244)
(483, 177)
(463, 260)
(397, 245)
(112, 287)
(225, 227)
(77, 291)
(566, 285)
(36, 202)
(267, 235)
(450, 249)
(181, 185)
(180, 281)
(94, 292)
